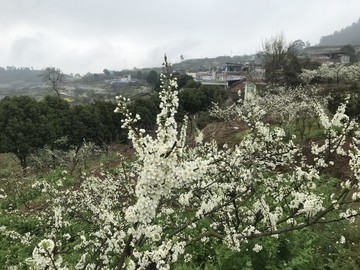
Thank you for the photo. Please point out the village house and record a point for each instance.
(232, 73)
(329, 57)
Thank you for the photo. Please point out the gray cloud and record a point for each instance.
(25, 49)
(90, 35)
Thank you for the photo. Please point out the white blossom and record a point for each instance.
(257, 248)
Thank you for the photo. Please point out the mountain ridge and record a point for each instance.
(348, 35)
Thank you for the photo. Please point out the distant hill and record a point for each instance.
(347, 35)
(206, 64)
(26, 75)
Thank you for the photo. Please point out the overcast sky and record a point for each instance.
(89, 35)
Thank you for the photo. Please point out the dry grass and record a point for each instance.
(223, 132)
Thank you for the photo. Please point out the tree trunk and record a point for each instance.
(23, 163)
(53, 157)
(126, 252)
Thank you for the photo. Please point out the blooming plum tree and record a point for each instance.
(293, 108)
(333, 71)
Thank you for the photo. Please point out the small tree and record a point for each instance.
(349, 50)
(23, 127)
(152, 78)
(57, 112)
(279, 59)
(106, 72)
(298, 44)
(53, 77)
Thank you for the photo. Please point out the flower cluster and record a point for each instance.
(330, 71)
(43, 257)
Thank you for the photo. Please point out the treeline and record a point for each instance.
(11, 74)
(28, 125)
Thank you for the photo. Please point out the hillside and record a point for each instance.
(347, 35)
(326, 49)
(205, 64)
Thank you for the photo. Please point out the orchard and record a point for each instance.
(172, 204)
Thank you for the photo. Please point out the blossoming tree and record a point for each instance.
(170, 196)
(333, 71)
(293, 108)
